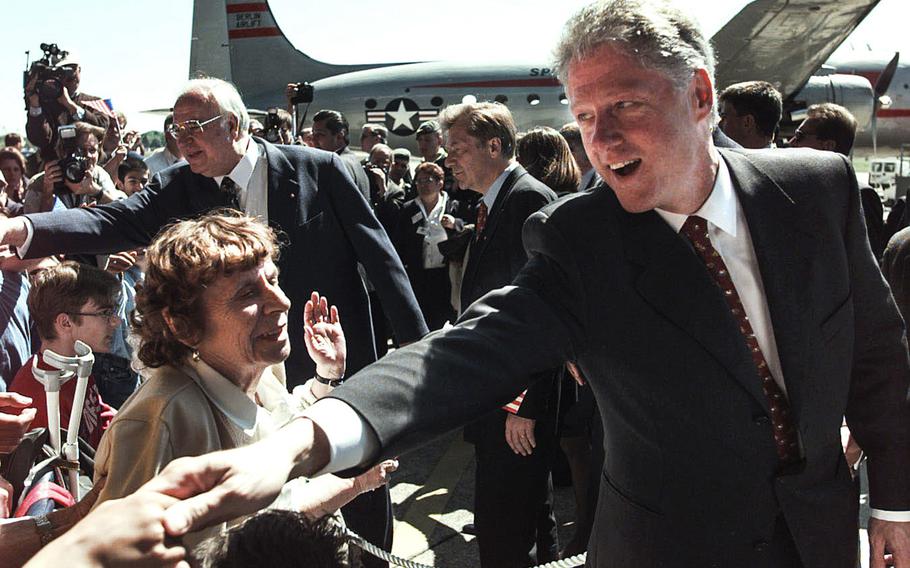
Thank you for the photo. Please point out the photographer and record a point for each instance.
(53, 98)
(278, 126)
(75, 179)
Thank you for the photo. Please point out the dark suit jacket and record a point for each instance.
(355, 168)
(896, 268)
(329, 227)
(691, 474)
(496, 256)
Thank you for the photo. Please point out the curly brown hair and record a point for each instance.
(183, 260)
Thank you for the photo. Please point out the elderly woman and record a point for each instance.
(423, 223)
(212, 325)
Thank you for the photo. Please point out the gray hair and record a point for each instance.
(659, 35)
(224, 95)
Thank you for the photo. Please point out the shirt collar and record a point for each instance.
(489, 198)
(440, 206)
(243, 171)
(719, 209)
(228, 398)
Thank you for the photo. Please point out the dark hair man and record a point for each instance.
(331, 133)
(723, 305)
(750, 113)
(132, 174)
(70, 106)
(572, 134)
(13, 140)
(832, 128)
(163, 158)
(372, 134)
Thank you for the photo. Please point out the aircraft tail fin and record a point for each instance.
(240, 41)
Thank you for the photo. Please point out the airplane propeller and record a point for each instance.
(880, 99)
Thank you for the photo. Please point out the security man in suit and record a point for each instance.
(513, 492)
(306, 193)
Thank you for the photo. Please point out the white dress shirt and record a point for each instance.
(251, 174)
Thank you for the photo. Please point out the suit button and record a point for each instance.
(762, 420)
(760, 546)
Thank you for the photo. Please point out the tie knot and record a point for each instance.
(695, 228)
(228, 185)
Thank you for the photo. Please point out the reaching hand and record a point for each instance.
(377, 476)
(120, 532)
(121, 261)
(324, 337)
(15, 418)
(576, 373)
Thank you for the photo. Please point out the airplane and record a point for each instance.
(785, 42)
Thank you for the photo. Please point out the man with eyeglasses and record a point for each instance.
(303, 192)
(71, 302)
(70, 106)
(166, 157)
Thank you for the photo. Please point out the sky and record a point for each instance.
(139, 55)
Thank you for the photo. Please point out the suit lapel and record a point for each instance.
(282, 189)
(784, 245)
(495, 214)
(676, 284)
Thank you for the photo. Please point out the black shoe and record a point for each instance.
(469, 529)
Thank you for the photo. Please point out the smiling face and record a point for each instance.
(647, 138)
(217, 149)
(245, 322)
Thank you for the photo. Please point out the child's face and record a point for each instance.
(134, 180)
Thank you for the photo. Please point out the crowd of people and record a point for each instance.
(664, 292)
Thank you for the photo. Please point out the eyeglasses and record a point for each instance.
(430, 179)
(190, 127)
(107, 314)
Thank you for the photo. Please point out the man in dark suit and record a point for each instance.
(303, 192)
(512, 492)
(726, 311)
(332, 134)
(832, 128)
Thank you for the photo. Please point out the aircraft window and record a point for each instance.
(370, 103)
(469, 99)
(563, 99)
(533, 100)
(436, 101)
(876, 167)
(906, 86)
(501, 99)
(889, 168)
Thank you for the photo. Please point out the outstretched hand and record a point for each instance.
(324, 337)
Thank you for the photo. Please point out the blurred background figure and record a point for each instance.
(547, 156)
(750, 113)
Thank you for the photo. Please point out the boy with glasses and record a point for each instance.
(71, 302)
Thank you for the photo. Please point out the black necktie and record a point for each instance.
(232, 190)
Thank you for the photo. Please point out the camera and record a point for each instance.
(73, 162)
(271, 129)
(50, 76)
(303, 93)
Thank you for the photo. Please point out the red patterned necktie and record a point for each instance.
(481, 220)
(696, 230)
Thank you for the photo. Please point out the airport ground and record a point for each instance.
(433, 494)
